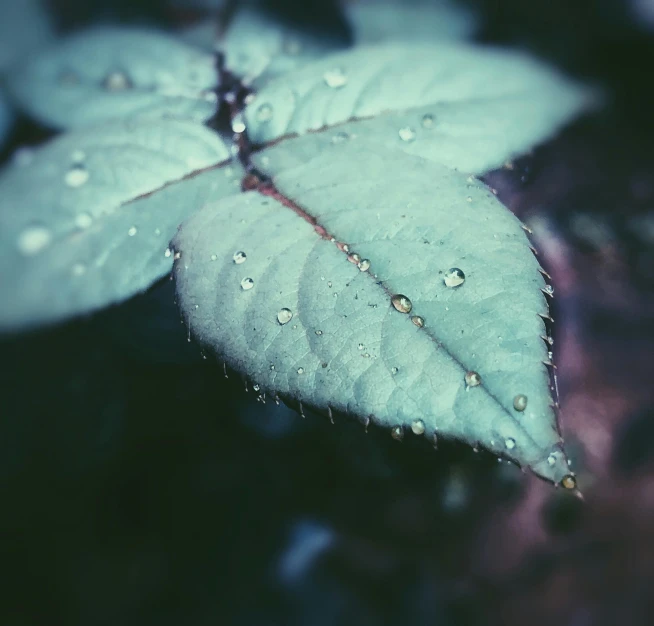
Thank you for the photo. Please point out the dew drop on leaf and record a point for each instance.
(284, 316)
(569, 482)
(264, 113)
(520, 402)
(407, 134)
(360, 346)
(418, 427)
(418, 321)
(401, 303)
(168, 252)
(354, 258)
(454, 277)
(300, 370)
(364, 266)
(509, 443)
(132, 231)
(551, 460)
(394, 370)
(335, 78)
(397, 433)
(239, 257)
(427, 120)
(472, 379)
(76, 176)
(247, 283)
(34, 239)
(319, 332)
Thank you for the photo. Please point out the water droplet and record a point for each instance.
(520, 402)
(300, 370)
(418, 427)
(34, 239)
(454, 277)
(284, 316)
(472, 379)
(335, 78)
(78, 269)
(397, 433)
(319, 332)
(329, 284)
(178, 255)
(239, 257)
(551, 460)
(340, 138)
(418, 321)
(407, 134)
(509, 443)
(83, 221)
(272, 367)
(264, 113)
(354, 258)
(76, 176)
(401, 303)
(549, 290)
(168, 252)
(364, 266)
(428, 120)
(132, 231)
(247, 283)
(361, 346)
(394, 370)
(256, 387)
(569, 482)
(214, 257)
(238, 125)
(116, 81)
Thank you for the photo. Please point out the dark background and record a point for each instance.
(138, 485)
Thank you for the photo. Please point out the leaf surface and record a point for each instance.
(87, 222)
(107, 73)
(24, 26)
(303, 320)
(465, 106)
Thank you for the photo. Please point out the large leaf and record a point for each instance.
(261, 282)
(115, 72)
(88, 221)
(375, 21)
(467, 107)
(24, 26)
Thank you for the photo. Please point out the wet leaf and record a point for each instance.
(465, 106)
(307, 318)
(107, 73)
(24, 26)
(86, 221)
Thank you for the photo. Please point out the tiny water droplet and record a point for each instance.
(472, 379)
(272, 367)
(256, 387)
(76, 176)
(549, 290)
(329, 284)
(418, 321)
(264, 113)
(509, 443)
(520, 402)
(401, 303)
(239, 257)
(418, 427)
(178, 255)
(397, 433)
(132, 231)
(364, 266)
(300, 370)
(116, 81)
(214, 257)
(340, 138)
(469, 199)
(361, 346)
(83, 221)
(34, 239)
(428, 120)
(569, 482)
(247, 283)
(407, 134)
(551, 460)
(335, 78)
(168, 252)
(354, 258)
(284, 316)
(394, 370)
(78, 269)
(454, 277)
(157, 231)
(319, 332)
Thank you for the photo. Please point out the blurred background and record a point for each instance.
(138, 485)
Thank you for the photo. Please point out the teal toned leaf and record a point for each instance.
(116, 72)
(394, 334)
(87, 222)
(465, 106)
(24, 26)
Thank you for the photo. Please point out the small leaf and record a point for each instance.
(87, 222)
(116, 72)
(334, 323)
(467, 107)
(375, 21)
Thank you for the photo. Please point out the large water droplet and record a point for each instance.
(247, 283)
(520, 402)
(397, 433)
(407, 134)
(335, 78)
(76, 176)
(418, 427)
(418, 321)
(239, 257)
(472, 379)
(401, 303)
(264, 113)
(34, 239)
(454, 277)
(509, 443)
(569, 482)
(284, 316)
(364, 266)
(238, 125)
(428, 120)
(117, 81)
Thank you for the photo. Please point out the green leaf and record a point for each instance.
(261, 282)
(87, 222)
(464, 106)
(107, 73)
